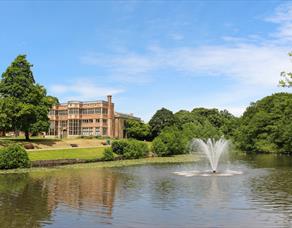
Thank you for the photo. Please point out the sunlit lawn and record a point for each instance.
(78, 153)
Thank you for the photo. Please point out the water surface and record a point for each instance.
(151, 196)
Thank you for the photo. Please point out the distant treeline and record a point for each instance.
(265, 126)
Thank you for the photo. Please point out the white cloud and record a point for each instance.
(81, 90)
(126, 67)
(283, 17)
(248, 63)
(253, 62)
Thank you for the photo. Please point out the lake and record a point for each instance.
(151, 196)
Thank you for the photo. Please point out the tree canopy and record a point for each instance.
(24, 103)
(161, 119)
(137, 130)
(266, 125)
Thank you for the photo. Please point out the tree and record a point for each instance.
(30, 101)
(161, 119)
(137, 130)
(286, 77)
(183, 117)
(266, 125)
(7, 106)
(171, 141)
(202, 131)
(222, 121)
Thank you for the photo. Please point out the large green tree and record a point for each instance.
(286, 80)
(208, 119)
(137, 130)
(161, 119)
(26, 102)
(171, 141)
(266, 125)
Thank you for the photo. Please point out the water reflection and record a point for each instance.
(23, 201)
(147, 196)
(273, 194)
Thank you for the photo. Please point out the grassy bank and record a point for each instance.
(75, 153)
(110, 164)
(50, 143)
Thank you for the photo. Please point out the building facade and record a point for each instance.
(93, 118)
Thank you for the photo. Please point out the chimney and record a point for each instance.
(109, 99)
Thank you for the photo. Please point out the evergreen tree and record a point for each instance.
(31, 104)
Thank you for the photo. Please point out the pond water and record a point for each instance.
(151, 196)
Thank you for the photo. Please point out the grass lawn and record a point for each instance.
(76, 153)
(110, 164)
(47, 143)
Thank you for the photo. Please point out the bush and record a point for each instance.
(118, 146)
(159, 147)
(108, 154)
(135, 149)
(171, 141)
(14, 156)
(130, 149)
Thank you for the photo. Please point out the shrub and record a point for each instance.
(118, 146)
(159, 147)
(14, 156)
(108, 154)
(130, 149)
(135, 149)
(171, 141)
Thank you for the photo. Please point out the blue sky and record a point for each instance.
(152, 54)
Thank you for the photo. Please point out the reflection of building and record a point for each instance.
(85, 189)
(96, 118)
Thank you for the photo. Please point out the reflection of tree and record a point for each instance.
(273, 191)
(28, 199)
(165, 190)
(23, 201)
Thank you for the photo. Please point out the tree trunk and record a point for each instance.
(26, 135)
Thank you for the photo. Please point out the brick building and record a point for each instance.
(96, 118)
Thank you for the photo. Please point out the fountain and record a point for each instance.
(213, 150)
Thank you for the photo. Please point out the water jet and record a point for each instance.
(212, 149)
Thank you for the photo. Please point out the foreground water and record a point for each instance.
(151, 196)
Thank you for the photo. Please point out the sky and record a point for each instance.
(152, 54)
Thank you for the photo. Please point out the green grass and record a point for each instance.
(78, 153)
(110, 164)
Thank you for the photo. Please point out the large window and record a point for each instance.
(62, 112)
(74, 127)
(104, 111)
(104, 131)
(87, 121)
(104, 121)
(87, 131)
(73, 111)
(63, 124)
(53, 128)
(97, 131)
(91, 111)
(52, 112)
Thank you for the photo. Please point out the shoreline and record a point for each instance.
(186, 158)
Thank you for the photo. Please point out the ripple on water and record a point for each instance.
(208, 173)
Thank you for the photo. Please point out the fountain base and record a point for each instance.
(208, 173)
